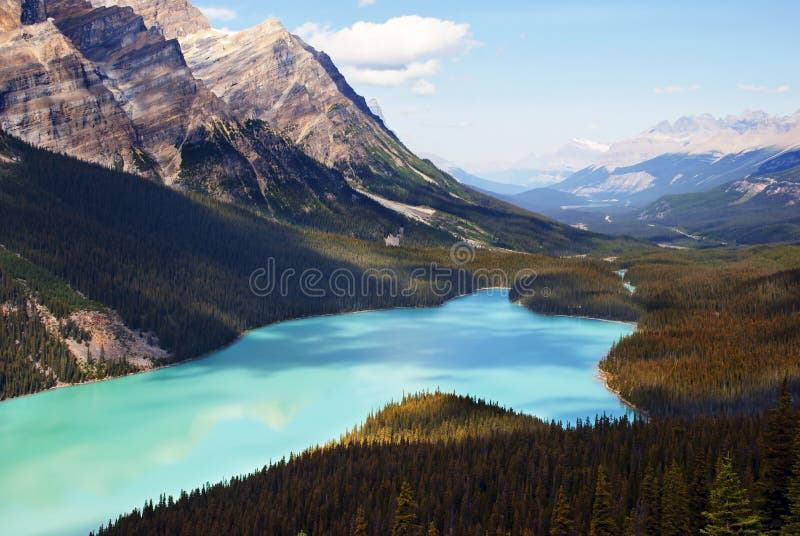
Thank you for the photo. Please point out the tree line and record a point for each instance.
(461, 466)
(720, 330)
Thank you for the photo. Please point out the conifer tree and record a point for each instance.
(360, 523)
(432, 530)
(649, 504)
(698, 494)
(791, 521)
(778, 440)
(602, 523)
(562, 523)
(674, 503)
(729, 512)
(405, 515)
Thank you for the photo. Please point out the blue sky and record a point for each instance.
(483, 82)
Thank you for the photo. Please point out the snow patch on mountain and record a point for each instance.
(625, 183)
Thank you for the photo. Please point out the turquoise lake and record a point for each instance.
(73, 458)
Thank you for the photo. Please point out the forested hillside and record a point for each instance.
(581, 288)
(442, 464)
(36, 323)
(719, 333)
(179, 265)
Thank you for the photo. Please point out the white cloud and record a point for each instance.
(675, 89)
(219, 13)
(397, 41)
(765, 89)
(365, 3)
(423, 88)
(391, 76)
(393, 53)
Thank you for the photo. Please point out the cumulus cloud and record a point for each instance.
(423, 88)
(398, 51)
(765, 89)
(390, 76)
(218, 13)
(365, 3)
(675, 89)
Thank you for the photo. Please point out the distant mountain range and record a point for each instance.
(732, 178)
(764, 207)
(690, 155)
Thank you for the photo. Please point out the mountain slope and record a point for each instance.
(98, 84)
(692, 154)
(52, 96)
(265, 72)
(761, 208)
(175, 266)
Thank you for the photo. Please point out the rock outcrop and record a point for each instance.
(268, 73)
(146, 73)
(52, 96)
(10, 15)
(100, 85)
(173, 18)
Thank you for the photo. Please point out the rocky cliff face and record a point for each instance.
(173, 18)
(52, 96)
(10, 15)
(98, 84)
(268, 73)
(146, 73)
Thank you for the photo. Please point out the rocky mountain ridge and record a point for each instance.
(99, 84)
(256, 117)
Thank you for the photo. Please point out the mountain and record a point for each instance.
(465, 177)
(761, 208)
(690, 155)
(575, 155)
(547, 201)
(52, 96)
(172, 18)
(100, 85)
(537, 171)
(257, 118)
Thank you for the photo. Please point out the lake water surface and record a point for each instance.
(73, 458)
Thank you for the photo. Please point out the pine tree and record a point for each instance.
(360, 523)
(698, 494)
(649, 504)
(729, 511)
(674, 503)
(562, 523)
(778, 440)
(791, 521)
(602, 523)
(432, 530)
(405, 515)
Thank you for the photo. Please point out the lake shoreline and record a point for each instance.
(239, 337)
(605, 377)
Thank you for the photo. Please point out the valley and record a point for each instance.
(242, 293)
